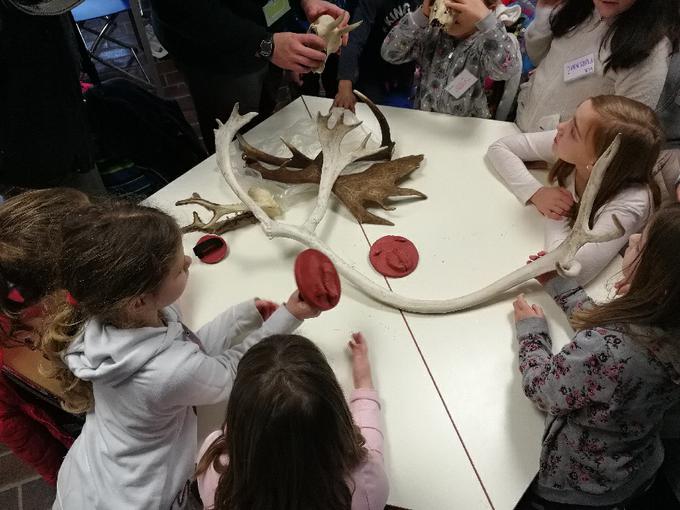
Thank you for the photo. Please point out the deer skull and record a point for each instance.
(440, 15)
(327, 28)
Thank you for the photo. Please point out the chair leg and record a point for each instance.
(138, 27)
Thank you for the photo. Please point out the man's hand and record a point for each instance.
(315, 8)
(298, 52)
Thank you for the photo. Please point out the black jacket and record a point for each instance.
(222, 34)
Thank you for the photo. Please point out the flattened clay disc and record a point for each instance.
(317, 280)
(394, 256)
(211, 249)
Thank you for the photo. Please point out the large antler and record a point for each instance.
(560, 259)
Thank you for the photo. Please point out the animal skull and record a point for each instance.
(327, 28)
(440, 15)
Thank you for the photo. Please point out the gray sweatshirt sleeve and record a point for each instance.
(539, 35)
(221, 333)
(201, 379)
(348, 64)
(404, 42)
(501, 58)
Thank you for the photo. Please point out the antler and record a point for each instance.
(561, 259)
(240, 214)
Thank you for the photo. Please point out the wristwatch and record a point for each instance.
(266, 49)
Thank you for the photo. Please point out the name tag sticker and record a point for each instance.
(461, 83)
(579, 68)
(274, 9)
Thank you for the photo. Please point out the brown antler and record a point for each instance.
(237, 219)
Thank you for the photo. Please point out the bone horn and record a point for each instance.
(349, 28)
(386, 136)
(336, 22)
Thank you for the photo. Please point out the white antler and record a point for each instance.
(560, 259)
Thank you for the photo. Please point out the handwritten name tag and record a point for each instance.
(461, 83)
(579, 68)
(274, 9)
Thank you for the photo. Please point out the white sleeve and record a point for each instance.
(201, 379)
(539, 36)
(645, 81)
(507, 157)
(220, 333)
(632, 207)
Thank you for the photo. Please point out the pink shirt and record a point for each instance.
(370, 480)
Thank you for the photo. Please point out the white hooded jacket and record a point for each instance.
(138, 445)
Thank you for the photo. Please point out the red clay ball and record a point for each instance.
(317, 279)
(394, 256)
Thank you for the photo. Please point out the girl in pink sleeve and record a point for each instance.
(290, 440)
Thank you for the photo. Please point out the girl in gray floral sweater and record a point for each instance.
(606, 392)
(454, 61)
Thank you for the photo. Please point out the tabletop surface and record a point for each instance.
(459, 432)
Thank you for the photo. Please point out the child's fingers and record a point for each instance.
(538, 310)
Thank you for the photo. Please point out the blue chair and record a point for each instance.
(109, 10)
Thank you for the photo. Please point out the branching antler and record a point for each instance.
(374, 186)
(239, 214)
(560, 259)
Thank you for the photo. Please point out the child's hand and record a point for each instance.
(622, 287)
(345, 98)
(524, 310)
(475, 9)
(545, 277)
(299, 309)
(426, 8)
(553, 202)
(361, 366)
(266, 308)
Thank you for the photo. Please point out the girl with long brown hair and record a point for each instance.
(627, 191)
(32, 423)
(119, 347)
(290, 441)
(607, 391)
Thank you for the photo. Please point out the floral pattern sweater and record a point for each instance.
(489, 52)
(605, 394)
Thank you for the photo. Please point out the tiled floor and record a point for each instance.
(20, 487)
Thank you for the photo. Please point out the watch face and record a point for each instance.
(266, 47)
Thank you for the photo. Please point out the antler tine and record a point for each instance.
(218, 211)
(258, 155)
(299, 160)
(386, 143)
(223, 137)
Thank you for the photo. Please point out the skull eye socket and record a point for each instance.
(313, 30)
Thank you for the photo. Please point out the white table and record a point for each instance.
(459, 432)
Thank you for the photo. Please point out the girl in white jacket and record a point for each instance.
(124, 357)
(628, 190)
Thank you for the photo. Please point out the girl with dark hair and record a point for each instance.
(606, 392)
(290, 441)
(585, 48)
(32, 423)
(628, 190)
(119, 347)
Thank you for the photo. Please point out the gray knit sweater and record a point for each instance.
(490, 52)
(605, 394)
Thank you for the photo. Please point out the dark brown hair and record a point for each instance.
(654, 295)
(30, 236)
(633, 165)
(289, 434)
(632, 35)
(112, 253)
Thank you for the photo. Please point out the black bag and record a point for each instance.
(130, 123)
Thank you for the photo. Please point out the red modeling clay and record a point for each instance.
(394, 256)
(317, 279)
(211, 249)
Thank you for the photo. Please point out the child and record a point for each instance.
(628, 190)
(130, 362)
(454, 63)
(360, 65)
(32, 423)
(606, 392)
(289, 440)
(585, 48)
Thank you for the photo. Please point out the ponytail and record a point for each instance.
(65, 322)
